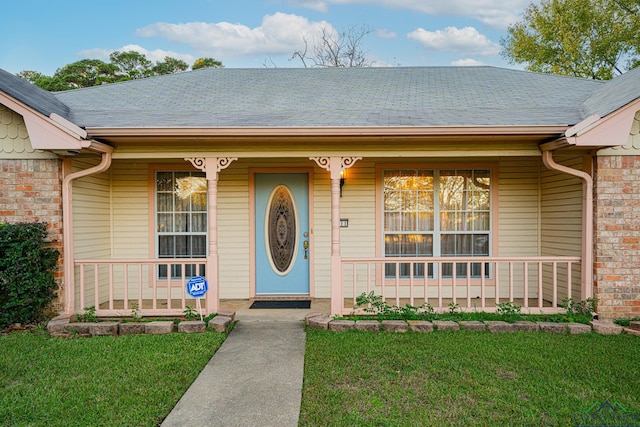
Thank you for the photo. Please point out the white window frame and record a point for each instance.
(176, 271)
(437, 232)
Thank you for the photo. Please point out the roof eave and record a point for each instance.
(324, 131)
(47, 133)
(600, 132)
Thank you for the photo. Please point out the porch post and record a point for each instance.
(211, 166)
(335, 165)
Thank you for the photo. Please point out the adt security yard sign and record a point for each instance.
(197, 286)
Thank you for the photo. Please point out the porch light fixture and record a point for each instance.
(342, 175)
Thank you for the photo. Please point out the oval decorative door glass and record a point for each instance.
(281, 229)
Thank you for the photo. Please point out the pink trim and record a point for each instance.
(587, 220)
(151, 220)
(492, 166)
(252, 224)
(611, 130)
(45, 133)
(252, 233)
(400, 290)
(67, 226)
(171, 133)
(335, 166)
(212, 166)
(132, 272)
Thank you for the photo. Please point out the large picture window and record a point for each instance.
(181, 220)
(437, 212)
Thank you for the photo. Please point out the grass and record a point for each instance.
(464, 378)
(132, 380)
(627, 321)
(352, 378)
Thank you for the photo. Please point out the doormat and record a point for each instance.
(281, 304)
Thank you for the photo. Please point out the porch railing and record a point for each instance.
(150, 287)
(537, 284)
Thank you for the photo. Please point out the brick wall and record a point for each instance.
(31, 191)
(617, 236)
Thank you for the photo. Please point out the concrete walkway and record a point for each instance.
(255, 378)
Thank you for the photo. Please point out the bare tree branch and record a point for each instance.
(344, 49)
(302, 55)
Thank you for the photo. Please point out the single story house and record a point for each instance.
(467, 186)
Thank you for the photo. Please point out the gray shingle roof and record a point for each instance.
(335, 97)
(290, 97)
(614, 94)
(40, 100)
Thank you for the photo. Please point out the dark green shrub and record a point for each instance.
(27, 266)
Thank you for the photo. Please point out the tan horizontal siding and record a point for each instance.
(530, 209)
(91, 225)
(91, 212)
(233, 224)
(561, 215)
(518, 207)
(131, 209)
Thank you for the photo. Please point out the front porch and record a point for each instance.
(116, 288)
(537, 284)
(511, 205)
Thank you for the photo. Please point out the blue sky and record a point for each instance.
(43, 35)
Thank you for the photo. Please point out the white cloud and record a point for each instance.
(279, 33)
(467, 62)
(452, 39)
(496, 13)
(96, 53)
(385, 34)
(317, 5)
(156, 55)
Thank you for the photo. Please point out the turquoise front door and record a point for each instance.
(282, 233)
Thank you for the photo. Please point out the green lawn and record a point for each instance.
(464, 378)
(352, 378)
(131, 380)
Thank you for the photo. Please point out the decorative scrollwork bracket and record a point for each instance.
(335, 165)
(211, 165)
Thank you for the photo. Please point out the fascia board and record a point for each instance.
(47, 133)
(609, 131)
(98, 132)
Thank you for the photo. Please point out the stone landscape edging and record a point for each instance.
(62, 326)
(65, 328)
(319, 321)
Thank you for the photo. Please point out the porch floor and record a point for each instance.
(323, 305)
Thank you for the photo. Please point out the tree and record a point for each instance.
(169, 66)
(30, 75)
(123, 66)
(86, 72)
(45, 82)
(336, 49)
(132, 64)
(594, 39)
(206, 63)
